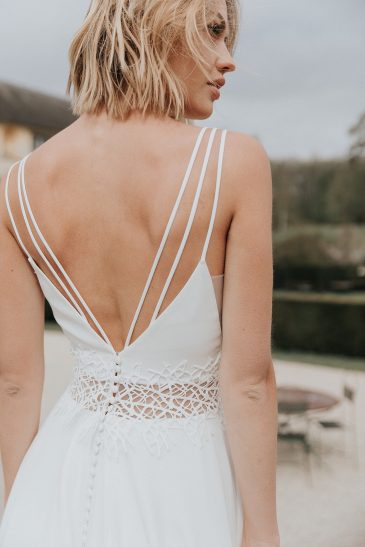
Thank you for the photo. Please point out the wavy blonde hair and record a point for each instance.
(119, 58)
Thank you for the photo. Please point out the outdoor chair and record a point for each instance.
(341, 419)
(293, 428)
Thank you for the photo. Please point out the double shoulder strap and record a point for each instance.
(26, 211)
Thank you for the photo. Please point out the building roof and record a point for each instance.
(32, 108)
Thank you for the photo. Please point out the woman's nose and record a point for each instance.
(225, 61)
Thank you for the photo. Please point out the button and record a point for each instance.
(115, 388)
(117, 368)
(111, 400)
(118, 360)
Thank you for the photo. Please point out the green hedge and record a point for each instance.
(48, 313)
(319, 322)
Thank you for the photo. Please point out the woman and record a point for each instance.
(126, 222)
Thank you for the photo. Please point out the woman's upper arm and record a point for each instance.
(21, 308)
(248, 283)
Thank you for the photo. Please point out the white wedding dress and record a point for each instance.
(134, 453)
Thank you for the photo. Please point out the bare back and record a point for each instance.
(102, 194)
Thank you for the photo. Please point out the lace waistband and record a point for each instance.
(142, 404)
(132, 400)
(171, 392)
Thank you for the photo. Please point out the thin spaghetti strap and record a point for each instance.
(22, 189)
(188, 226)
(216, 193)
(7, 202)
(30, 259)
(166, 233)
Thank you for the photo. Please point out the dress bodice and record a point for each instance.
(181, 346)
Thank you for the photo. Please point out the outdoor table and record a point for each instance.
(293, 400)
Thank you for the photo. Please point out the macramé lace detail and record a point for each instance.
(96, 364)
(163, 397)
(180, 396)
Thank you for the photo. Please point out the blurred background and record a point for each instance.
(299, 88)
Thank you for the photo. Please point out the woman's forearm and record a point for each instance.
(20, 404)
(250, 413)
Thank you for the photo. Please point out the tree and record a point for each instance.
(357, 149)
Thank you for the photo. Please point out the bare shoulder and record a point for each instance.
(7, 196)
(39, 163)
(247, 166)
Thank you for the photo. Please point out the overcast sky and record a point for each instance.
(299, 83)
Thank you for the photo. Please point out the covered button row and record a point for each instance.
(96, 451)
(117, 369)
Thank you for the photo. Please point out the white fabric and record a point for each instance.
(134, 452)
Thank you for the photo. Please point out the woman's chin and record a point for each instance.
(202, 112)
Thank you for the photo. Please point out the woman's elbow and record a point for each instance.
(255, 383)
(14, 385)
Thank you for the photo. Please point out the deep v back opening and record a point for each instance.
(202, 264)
(25, 204)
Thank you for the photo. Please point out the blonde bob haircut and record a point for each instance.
(119, 58)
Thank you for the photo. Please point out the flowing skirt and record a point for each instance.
(154, 485)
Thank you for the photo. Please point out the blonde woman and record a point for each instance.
(127, 222)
